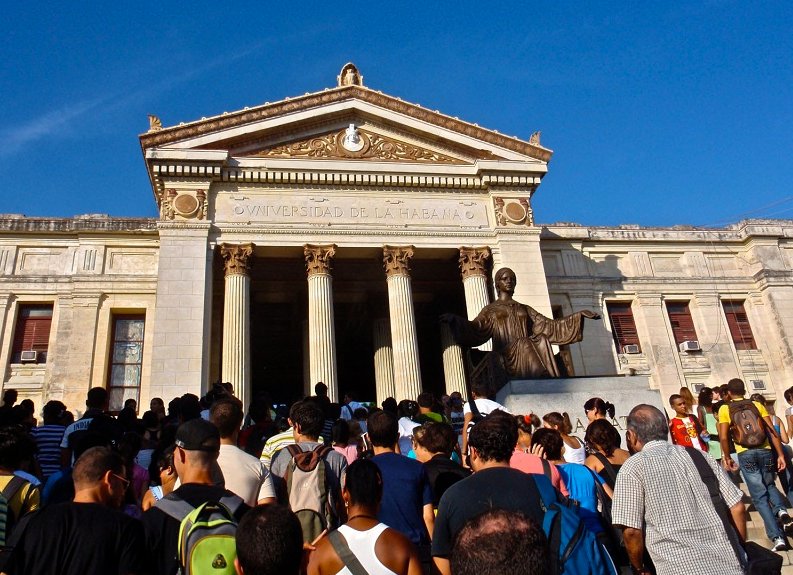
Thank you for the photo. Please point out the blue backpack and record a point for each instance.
(574, 549)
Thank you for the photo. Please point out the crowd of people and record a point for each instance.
(417, 486)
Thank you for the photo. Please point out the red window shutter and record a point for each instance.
(32, 331)
(738, 322)
(623, 327)
(680, 319)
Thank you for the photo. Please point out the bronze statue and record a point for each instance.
(522, 337)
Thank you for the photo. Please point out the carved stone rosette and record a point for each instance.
(237, 258)
(473, 261)
(396, 260)
(318, 258)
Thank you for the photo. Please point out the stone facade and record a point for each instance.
(353, 177)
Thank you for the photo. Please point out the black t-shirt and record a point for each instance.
(493, 488)
(443, 473)
(162, 530)
(76, 539)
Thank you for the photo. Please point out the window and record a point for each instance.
(126, 359)
(623, 327)
(738, 322)
(682, 324)
(32, 333)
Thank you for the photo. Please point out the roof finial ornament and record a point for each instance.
(349, 76)
(535, 138)
(155, 125)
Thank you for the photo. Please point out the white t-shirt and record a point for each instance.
(245, 475)
(406, 427)
(485, 406)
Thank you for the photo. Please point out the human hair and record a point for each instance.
(481, 388)
(162, 458)
(407, 408)
(129, 445)
(600, 433)
(736, 386)
(226, 414)
(270, 541)
(688, 397)
(789, 395)
(94, 463)
(189, 407)
(390, 404)
(437, 437)
(28, 405)
(383, 429)
(648, 423)
(16, 446)
(96, 398)
(425, 400)
(495, 436)
(308, 416)
(524, 423)
(320, 389)
(601, 407)
(560, 421)
(705, 397)
(364, 483)
(674, 397)
(759, 398)
(53, 411)
(551, 441)
(500, 541)
(10, 396)
(340, 432)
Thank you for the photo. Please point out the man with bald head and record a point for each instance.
(664, 506)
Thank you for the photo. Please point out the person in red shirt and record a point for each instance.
(685, 428)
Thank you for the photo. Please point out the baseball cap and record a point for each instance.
(198, 435)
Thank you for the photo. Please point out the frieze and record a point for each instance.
(356, 143)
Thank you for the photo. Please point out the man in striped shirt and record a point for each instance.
(48, 439)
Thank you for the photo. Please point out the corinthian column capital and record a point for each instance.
(318, 258)
(236, 258)
(396, 260)
(473, 261)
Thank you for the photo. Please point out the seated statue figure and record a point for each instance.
(522, 337)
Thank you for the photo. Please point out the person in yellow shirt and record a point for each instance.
(21, 496)
(757, 467)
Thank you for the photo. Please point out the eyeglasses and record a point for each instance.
(123, 480)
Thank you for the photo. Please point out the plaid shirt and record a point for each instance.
(659, 489)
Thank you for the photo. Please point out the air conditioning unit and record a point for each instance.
(689, 346)
(28, 356)
(632, 348)
(758, 385)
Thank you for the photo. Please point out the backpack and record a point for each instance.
(308, 490)
(574, 550)
(7, 519)
(747, 425)
(206, 534)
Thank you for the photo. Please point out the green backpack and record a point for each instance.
(206, 534)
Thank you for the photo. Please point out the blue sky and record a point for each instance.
(659, 113)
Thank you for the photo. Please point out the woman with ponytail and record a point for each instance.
(575, 451)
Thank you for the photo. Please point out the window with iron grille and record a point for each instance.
(623, 328)
(738, 323)
(32, 333)
(680, 319)
(126, 359)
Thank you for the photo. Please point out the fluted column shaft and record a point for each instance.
(453, 368)
(383, 360)
(407, 371)
(321, 325)
(236, 367)
(474, 272)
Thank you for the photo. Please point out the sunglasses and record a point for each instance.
(123, 480)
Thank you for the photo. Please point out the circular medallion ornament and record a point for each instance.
(514, 212)
(353, 142)
(185, 205)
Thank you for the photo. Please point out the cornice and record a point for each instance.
(99, 223)
(313, 100)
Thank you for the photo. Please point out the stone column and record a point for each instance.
(407, 373)
(321, 327)
(237, 320)
(474, 272)
(307, 391)
(383, 360)
(453, 368)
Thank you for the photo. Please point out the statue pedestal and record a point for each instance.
(541, 396)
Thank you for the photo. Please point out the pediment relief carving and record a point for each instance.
(357, 144)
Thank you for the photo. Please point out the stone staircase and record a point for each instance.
(756, 532)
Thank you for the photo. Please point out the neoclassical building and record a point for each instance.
(320, 238)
